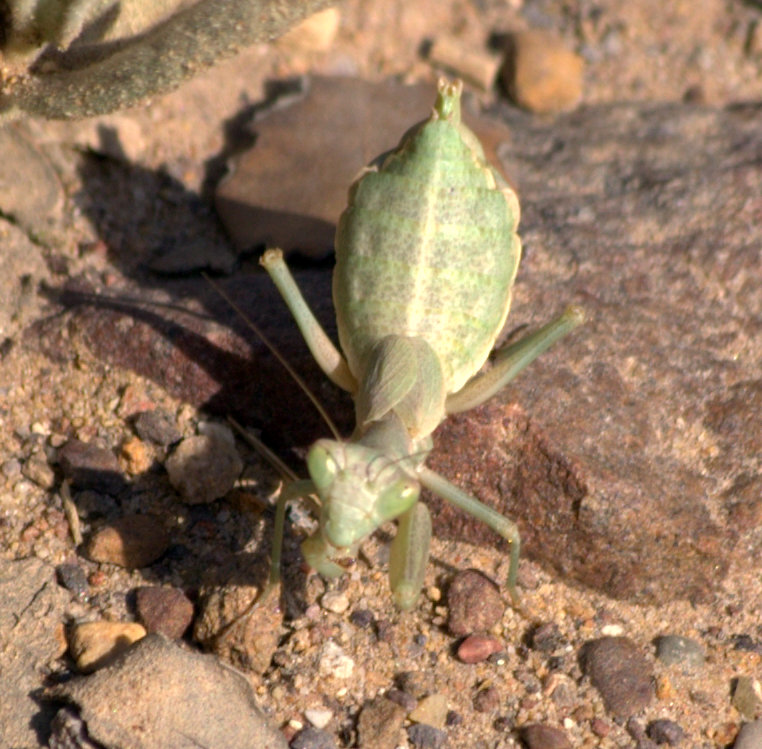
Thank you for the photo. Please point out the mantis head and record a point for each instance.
(360, 488)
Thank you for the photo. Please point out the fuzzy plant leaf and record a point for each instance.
(65, 59)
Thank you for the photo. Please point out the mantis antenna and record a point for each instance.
(274, 351)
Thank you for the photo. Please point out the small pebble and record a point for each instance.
(416, 683)
(379, 723)
(431, 710)
(541, 736)
(36, 468)
(426, 737)
(453, 719)
(132, 542)
(665, 731)
(96, 644)
(334, 662)
(476, 648)
(600, 727)
(563, 694)
(11, 468)
(638, 732)
(157, 426)
(747, 643)
(73, 578)
(90, 467)
(164, 610)
(319, 717)
(335, 601)
(136, 457)
(674, 649)
(612, 630)
(403, 699)
(750, 736)
(486, 700)
(724, 733)
(312, 738)
(546, 638)
(474, 603)
(362, 618)
(541, 74)
(747, 697)
(620, 672)
(203, 468)
(665, 690)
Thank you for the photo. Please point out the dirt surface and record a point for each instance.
(136, 189)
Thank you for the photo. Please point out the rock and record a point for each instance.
(747, 697)
(422, 736)
(665, 732)
(136, 457)
(474, 603)
(164, 610)
(487, 700)
(476, 648)
(36, 468)
(403, 699)
(747, 643)
(204, 468)
(541, 736)
(157, 426)
(132, 541)
(750, 736)
(541, 74)
(312, 738)
(674, 649)
(90, 467)
(380, 723)
(289, 190)
(97, 644)
(418, 684)
(431, 710)
(239, 624)
(546, 637)
(333, 662)
(335, 601)
(73, 578)
(181, 694)
(33, 607)
(600, 727)
(318, 718)
(620, 672)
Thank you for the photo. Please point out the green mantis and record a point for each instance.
(426, 256)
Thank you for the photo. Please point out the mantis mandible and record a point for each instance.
(426, 256)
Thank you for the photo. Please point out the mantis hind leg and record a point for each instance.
(506, 528)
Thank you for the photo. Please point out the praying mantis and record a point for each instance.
(426, 257)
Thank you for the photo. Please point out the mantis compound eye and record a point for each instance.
(322, 466)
